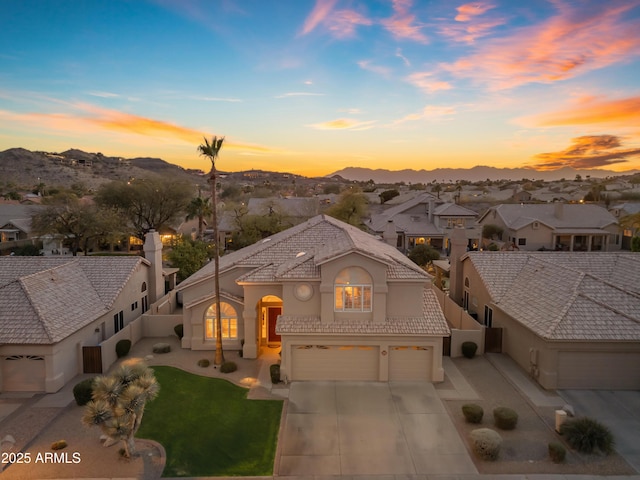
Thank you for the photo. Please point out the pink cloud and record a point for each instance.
(430, 112)
(321, 10)
(402, 23)
(426, 82)
(574, 41)
(469, 11)
(344, 22)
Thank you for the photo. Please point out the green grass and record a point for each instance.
(209, 428)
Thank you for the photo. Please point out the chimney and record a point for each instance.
(153, 253)
(559, 210)
(389, 234)
(459, 243)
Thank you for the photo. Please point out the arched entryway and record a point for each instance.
(269, 309)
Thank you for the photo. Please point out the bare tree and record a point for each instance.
(211, 150)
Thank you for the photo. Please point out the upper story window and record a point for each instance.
(353, 290)
(228, 319)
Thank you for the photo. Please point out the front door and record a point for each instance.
(272, 314)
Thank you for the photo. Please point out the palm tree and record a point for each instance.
(211, 151)
(199, 208)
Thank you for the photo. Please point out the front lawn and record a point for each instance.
(209, 428)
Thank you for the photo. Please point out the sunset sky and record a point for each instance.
(313, 86)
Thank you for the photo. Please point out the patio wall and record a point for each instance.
(464, 328)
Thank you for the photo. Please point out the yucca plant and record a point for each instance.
(586, 435)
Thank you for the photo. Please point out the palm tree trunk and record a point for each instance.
(219, 357)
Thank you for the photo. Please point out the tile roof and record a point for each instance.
(297, 252)
(45, 299)
(432, 323)
(574, 215)
(566, 295)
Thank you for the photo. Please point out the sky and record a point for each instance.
(314, 86)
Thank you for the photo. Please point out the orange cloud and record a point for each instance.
(343, 124)
(402, 23)
(430, 112)
(574, 41)
(623, 112)
(590, 151)
(424, 81)
(468, 11)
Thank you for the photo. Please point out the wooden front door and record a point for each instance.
(92, 359)
(272, 314)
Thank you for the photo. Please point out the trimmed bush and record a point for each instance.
(505, 418)
(472, 413)
(469, 349)
(557, 452)
(274, 370)
(486, 443)
(203, 362)
(179, 329)
(228, 367)
(123, 347)
(82, 391)
(59, 445)
(161, 348)
(587, 435)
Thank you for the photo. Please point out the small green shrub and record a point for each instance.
(586, 435)
(228, 367)
(203, 362)
(274, 370)
(123, 347)
(505, 418)
(486, 443)
(179, 329)
(469, 349)
(557, 452)
(82, 391)
(472, 413)
(59, 445)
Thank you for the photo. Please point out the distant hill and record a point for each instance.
(25, 169)
(474, 174)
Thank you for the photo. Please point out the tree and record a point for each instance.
(635, 243)
(148, 203)
(351, 208)
(189, 256)
(211, 151)
(388, 195)
(492, 232)
(119, 400)
(199, 208)
(423, 254)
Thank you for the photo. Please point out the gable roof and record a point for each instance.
(574, 215)
(576, 296)
(297, 252)
(45, 299)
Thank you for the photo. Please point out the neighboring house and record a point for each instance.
(15, 222)
(520, 195)
(569, 319)
(53, 308)
(340, 304)
(622, 210)
(422, 220)
(557, 226)
(293, 209)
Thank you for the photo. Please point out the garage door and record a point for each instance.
(599, 370)
(410, 363)
(334, 362)
(23, 373)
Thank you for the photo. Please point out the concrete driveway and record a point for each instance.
(618, 410)
(365, 428)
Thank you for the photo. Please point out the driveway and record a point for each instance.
(618, 410)
(365, 428)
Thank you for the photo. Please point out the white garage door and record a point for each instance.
(410, 363)
(599, 370)
(23, 373)
(334, 362)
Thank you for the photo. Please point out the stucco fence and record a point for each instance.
(160, 323)
(464, 328)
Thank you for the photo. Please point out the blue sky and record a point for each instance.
(314, 86)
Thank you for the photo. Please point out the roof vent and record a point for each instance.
(266, 240)
(300, 254)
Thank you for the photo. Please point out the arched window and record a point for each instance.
(144, 287)
(228, 318)
(353, 290)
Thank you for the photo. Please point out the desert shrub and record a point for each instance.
(228, 367)
(472, 412)
(557, 452)
(161, 348)
(274, 370)
(505, 418)
(469, 349)
(59, 445)
(586, 435)
(179, 329)
(82, 391)
(123, 347)
(486, 443)
(203, 362)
